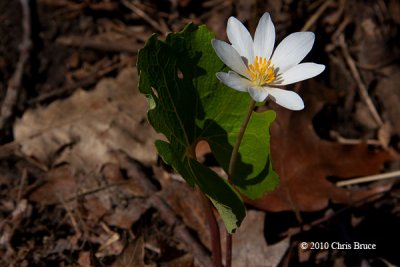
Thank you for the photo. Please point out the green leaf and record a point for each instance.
(189, 104)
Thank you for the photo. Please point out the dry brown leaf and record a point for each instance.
(187, 203)
(108, 41)
(60, 185)
(377, 53)
(132, 255)
(186, 260)
(387, 89)
(304, 161)
(394, 9)
(250, 247)
(114, 199)
(84, 129)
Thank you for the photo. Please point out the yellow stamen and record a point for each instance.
(261, 71)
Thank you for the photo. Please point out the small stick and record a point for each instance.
(328, 217)
(74, 222)
(101, 43)
(14, 84)
(315, 16)
(349, 141)
(143, 15)
(89, 80)
(21, 184)
(369, 178)
(356, 75)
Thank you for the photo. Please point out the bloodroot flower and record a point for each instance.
(256, 72)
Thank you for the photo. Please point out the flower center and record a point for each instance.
(261, 71)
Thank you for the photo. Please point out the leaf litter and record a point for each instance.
(86, 128)
(71, 186)
(305, 165)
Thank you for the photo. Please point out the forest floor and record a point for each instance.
(81, 183)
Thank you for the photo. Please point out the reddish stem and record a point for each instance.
(214, 232)
(228, 257)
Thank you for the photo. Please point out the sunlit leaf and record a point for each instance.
(189, 104)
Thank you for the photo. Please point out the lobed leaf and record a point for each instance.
(188, 104)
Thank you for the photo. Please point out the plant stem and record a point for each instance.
(228, 250)
(231, 173)
(216, 252)
(235, 151)
(214, 232)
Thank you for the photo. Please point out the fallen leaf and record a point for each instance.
(84, 129)
(60, 185)
(250, 247)
(304, 162)
(387, 89)
(84, 259)
(116, 200)
(108, 41)
(183, 261)
(132, 255)
(123, 216)
(187, 203)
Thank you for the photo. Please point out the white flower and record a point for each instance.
(256, 72)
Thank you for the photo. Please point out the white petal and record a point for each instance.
(292, 50)
(264, 38)
(230, 57)
(287, 99)
(300, 72)
(232, 80)
(240, 38)
(258, 94)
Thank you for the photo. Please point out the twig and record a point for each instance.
(14, 84)
(101, 42)
(340, 29)
(308, 226)
(71, 216)
(94, 191)
(143, 15)
(21, 184)
(349, 141)
(370, 178)
(316, 15)
(356, 75)
(89, 80)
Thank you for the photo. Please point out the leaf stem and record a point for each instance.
(235, 151)
(214, 232)
(231, 173)
(216, 252)
(228, 250)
